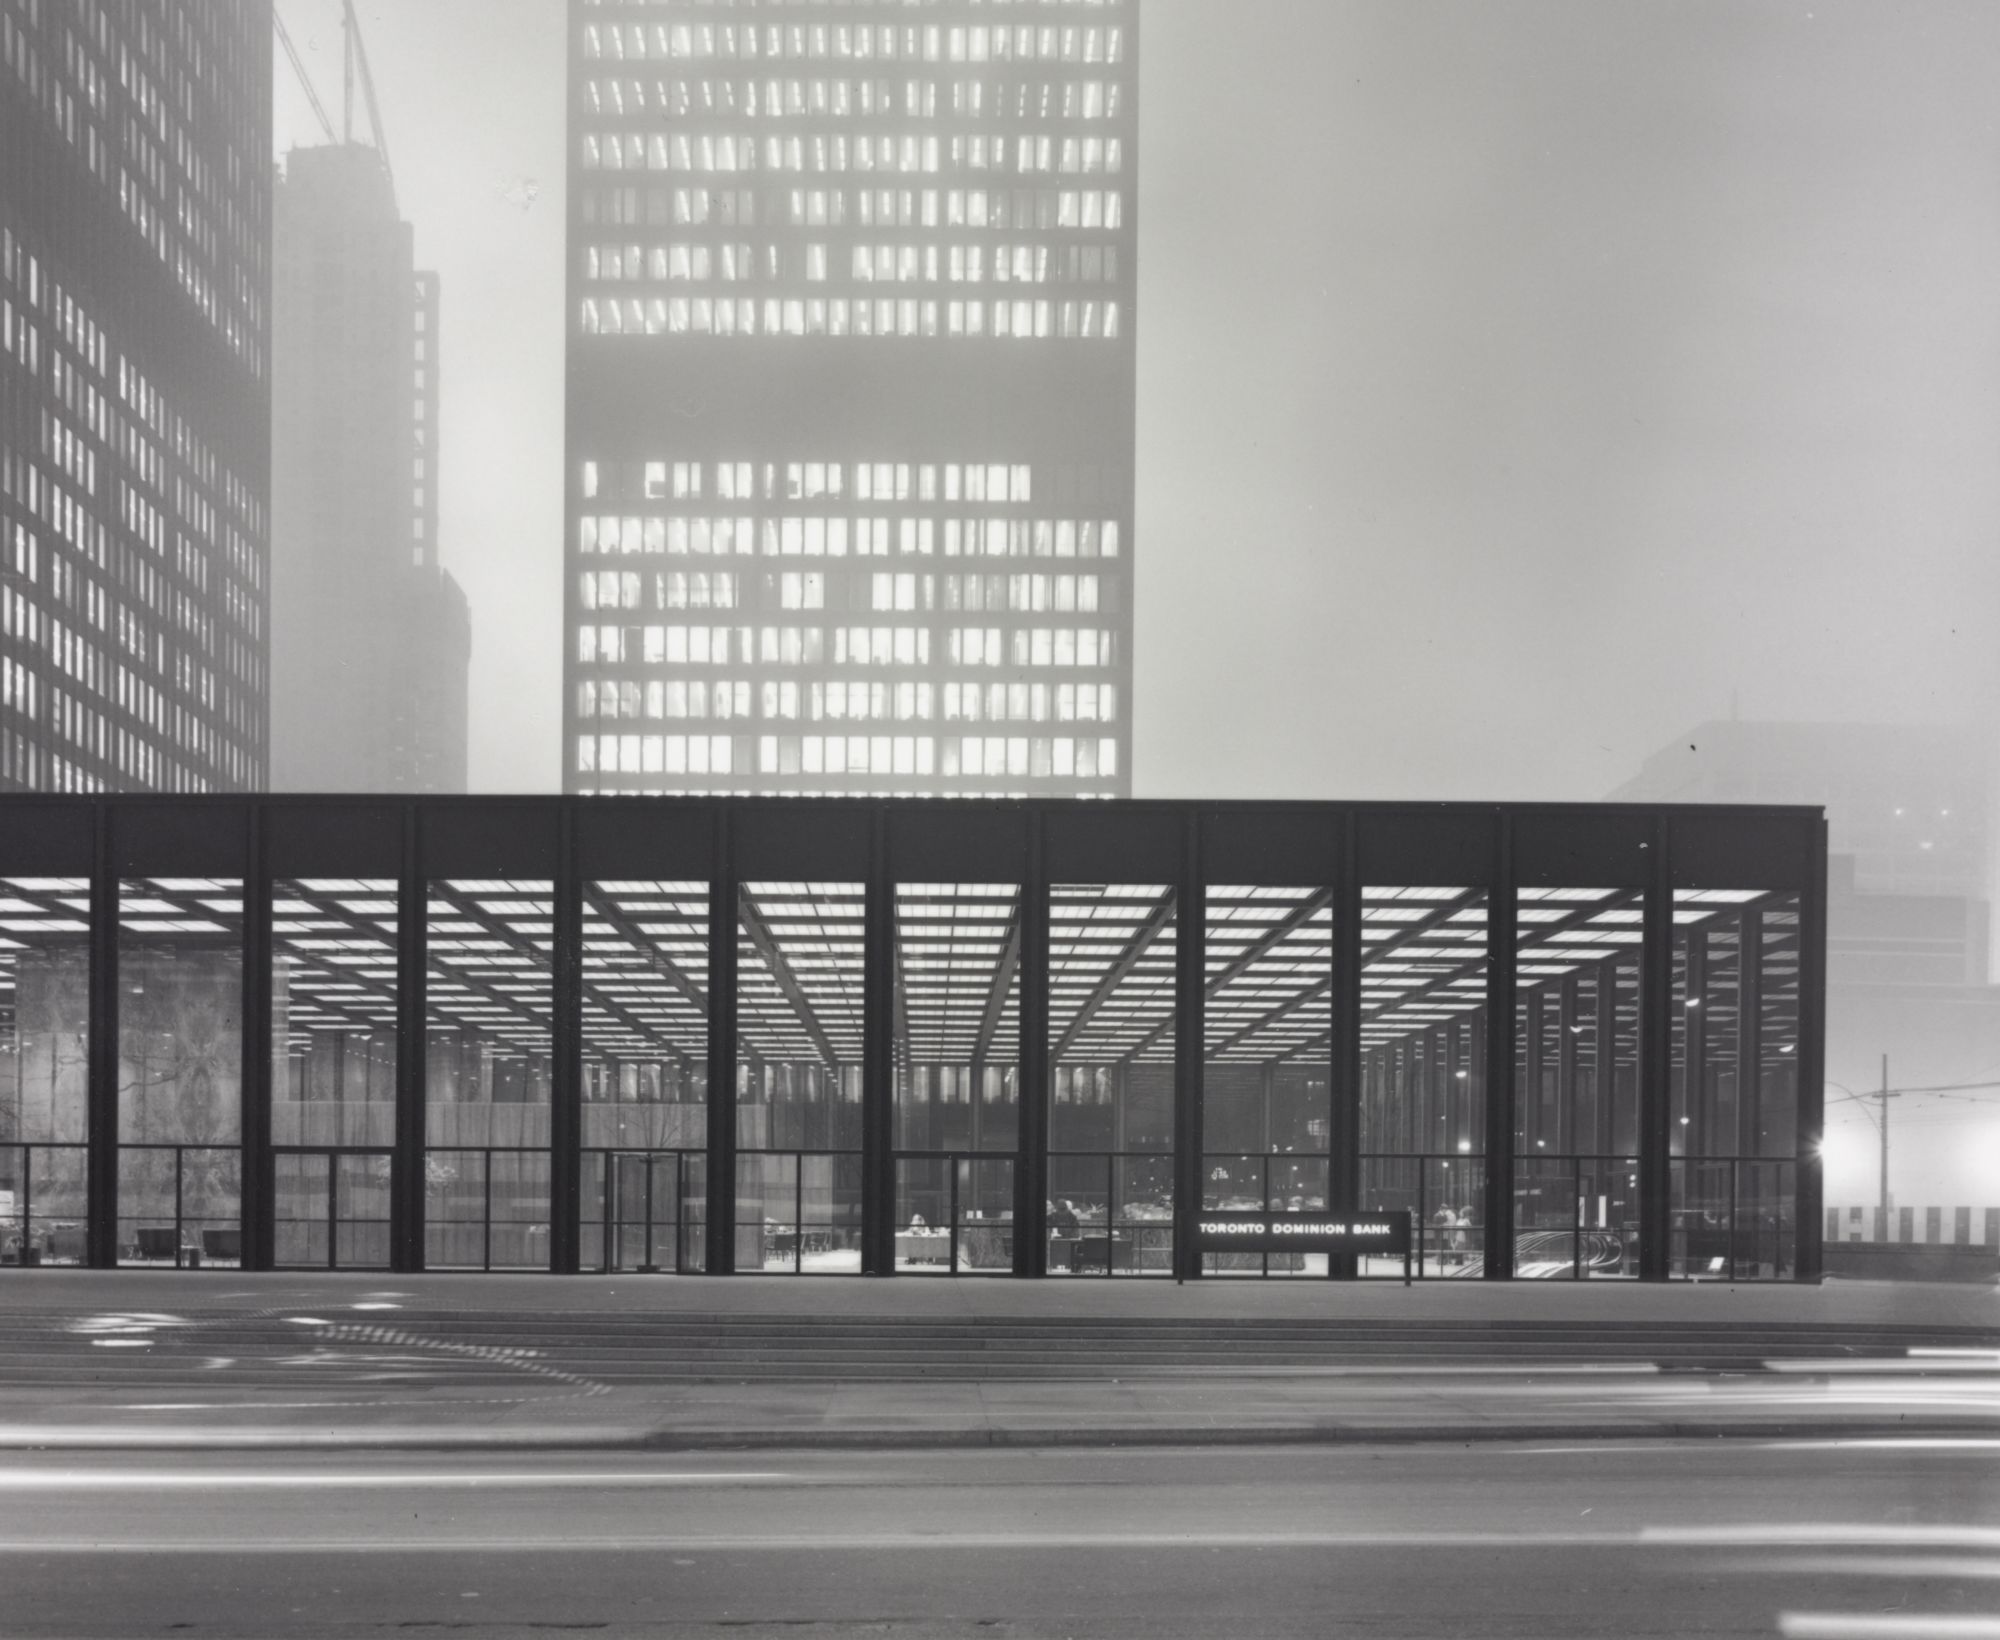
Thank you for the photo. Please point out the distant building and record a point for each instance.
(1907, 802)
(1909, 914)
(371, 638)
(135, 219)
(850, 397)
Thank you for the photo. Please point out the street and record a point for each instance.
(1860, 1540)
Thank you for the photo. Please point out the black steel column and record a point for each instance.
(1810, 1225)
(1697, 1093)
(878, 1059)
(1190, 985)
(1031, 1160)
(1531, 1102)
(1656, 1104)
(1500, 1090)
(258, 1169)
(1344, 1069)
(722, 911)
(406, 1168)
(1604, 1058)
(101, 1088)
(1566, 1066)
(566, 1056)
(1750, 1032)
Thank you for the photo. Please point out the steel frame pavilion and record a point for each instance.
(65, 861)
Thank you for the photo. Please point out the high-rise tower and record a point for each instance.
(371, 634)
(850, 396)
(135, 219)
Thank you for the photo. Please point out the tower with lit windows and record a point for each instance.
(135, 396)
(850, 396)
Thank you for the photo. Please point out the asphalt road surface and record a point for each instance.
(1881, 1540)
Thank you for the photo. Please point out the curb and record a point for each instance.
(971, 1437)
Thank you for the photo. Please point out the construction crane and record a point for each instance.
(354, 57)
(305, 81)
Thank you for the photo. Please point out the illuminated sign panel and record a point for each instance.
(1315, 1232)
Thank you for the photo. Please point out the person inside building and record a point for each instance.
(1063, 1220)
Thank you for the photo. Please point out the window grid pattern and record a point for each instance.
(133, 506)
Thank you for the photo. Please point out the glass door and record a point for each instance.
(954, 1215)
(653, 1218)
(332, 1210)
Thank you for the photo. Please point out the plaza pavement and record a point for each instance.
(220, 1358)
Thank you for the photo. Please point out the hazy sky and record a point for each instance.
(1518, 382)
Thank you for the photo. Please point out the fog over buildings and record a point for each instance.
(1542, 402)
(369, 636)
(1515, 385)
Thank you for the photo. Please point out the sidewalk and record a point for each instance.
(1467, 1301)
(220, 1359)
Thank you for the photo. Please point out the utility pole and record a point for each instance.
(1885, 1148)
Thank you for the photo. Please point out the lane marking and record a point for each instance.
(1926, 1566)
(795, 1543)
(137, 1480)
(1886, 1626)
(1891, 1443)
(1806, 1534)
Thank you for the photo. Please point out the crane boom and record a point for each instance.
(299, 69)
(359, 55)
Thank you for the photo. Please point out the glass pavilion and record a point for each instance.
(907, 1037)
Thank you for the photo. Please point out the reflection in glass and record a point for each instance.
(958, 1016)
(490, 994)
(1578, 960)
(44, 1066)
(44, 1009)
(486, 1210)
(645, 1015)
(645, 1211)
(180, 1070)
(1734, 1083)
(1111, 1078)
(333, 1012)
(954, 1215)
(798, 1076)
(1442, 1195)
(1423, 1025)
(332, 1210)
(798, 1213)
(1267, 1085)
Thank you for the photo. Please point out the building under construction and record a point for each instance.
(370, 634)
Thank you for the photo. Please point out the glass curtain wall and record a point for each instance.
(44, 1054)
(1267, 1071)
(798, 1076)
(645, 1076)
(490, 975)
(180, 1071)
(1423, 1070)
(333, 1070)
(1734, 1084)
(1112, 1022)
(1576, 1081)
(957, 1047)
